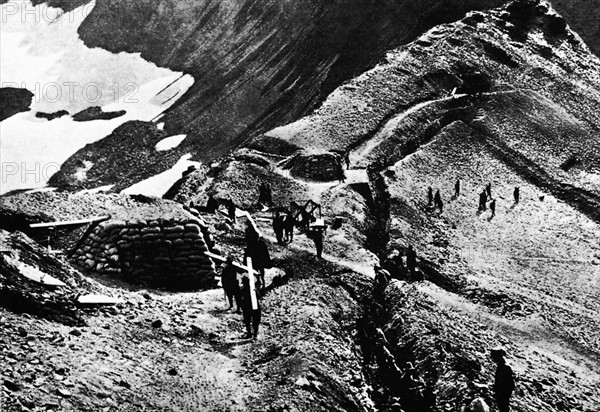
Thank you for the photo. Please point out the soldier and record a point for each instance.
(504, 382)
(231, 210)
(517, 194)
(259, 252)
(411, 260)
(278, 227)
(482, 201)
(317, 237)
(230, 283)
(251, 316)
(457, 188)
(438, 201)
(289, 224)
(493, 207)
(211, 204)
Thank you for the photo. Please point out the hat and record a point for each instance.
(498, 352)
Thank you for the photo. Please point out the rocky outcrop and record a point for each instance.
(52, 116)
(96, 113)
(159, 253)
(18, 254)
(13, 101)
(259, 63)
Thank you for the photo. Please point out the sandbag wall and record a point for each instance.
(158, 253)
(321, 167)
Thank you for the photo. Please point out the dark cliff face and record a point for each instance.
(13, 101)
(259, 63)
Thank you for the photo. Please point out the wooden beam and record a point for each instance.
(69, 222)
(224, 259)
(253, 299)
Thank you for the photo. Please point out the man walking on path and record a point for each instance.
(457, 188)
(317, 237)
(517, 194)
(211, 204)
(504, 382)
(289, 224)
(488, 190)
(411, 260)
(493, 207)
(251, 317)
(482, 201)
(429, 196)
(230, 283)
(278, 227)
(438, 201)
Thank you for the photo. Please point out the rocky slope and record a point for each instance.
(524, 113)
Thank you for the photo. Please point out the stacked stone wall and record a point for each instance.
(320, 167)
(158, 253)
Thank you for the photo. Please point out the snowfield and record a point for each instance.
(42, 52)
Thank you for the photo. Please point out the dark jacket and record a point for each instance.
(504, 383)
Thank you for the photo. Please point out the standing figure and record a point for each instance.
(488, 190)
(231, 210)
(437, 200)
(317, 237)
(288, 225)
(250, 234)
(411, 260)
(259, 252)
(230, 283)
(341, 176)
(211, 204)
(347, 160)
(482, 201)
(517, 194)
(493, 207)
(278, 227)
(251, 316)
(504, 382)
(429, 196)
(457, 188)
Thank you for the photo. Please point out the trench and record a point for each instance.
(384, 367)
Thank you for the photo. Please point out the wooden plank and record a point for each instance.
(33, 274)
(68, 222)
(253, 223)
(94, 299)
(224, 259)
(253, 299)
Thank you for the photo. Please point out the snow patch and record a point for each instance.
(159, 184)
(42, 52)
(170, 142)
(98, 189)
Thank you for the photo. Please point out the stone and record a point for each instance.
(21, 331)
(75, 332)
(65, 393)
(172, 372)
(12, 386)
(157, 323)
